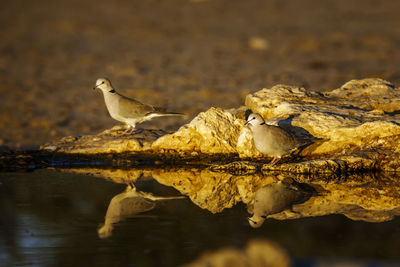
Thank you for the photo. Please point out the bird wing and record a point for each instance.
(131, 108)
(134, 205)
(286, 140)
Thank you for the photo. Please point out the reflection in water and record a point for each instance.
(359, 197)
(50, 219)
(258, 252)
(274, 198)
(127, 205)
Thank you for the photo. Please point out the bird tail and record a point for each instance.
(173, 114)
(161, 113)
(157, 198)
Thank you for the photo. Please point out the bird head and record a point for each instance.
(255, 119)
(103, 84)
(256, 221)
(105, 230)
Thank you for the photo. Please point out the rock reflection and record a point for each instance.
(128, 204)
(258, 252)
(274, 198)
(362, 196)
(376, 201)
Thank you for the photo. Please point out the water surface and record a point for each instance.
(52, 218)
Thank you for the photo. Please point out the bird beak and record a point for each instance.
(251, 220)
(247, 122)
(97, 85)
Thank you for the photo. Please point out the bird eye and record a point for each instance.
(264, 217)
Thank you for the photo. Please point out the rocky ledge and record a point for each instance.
(353, 128)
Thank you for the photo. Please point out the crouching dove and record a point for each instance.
(274, 198)
(271, 140)
(128, 110)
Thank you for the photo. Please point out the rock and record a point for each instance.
(212, 132)
(237, 168)
(344, 164)
(353, 128)
(369, 94)
(258, 252)
(245, 145)
(110, 141)
(342, 120)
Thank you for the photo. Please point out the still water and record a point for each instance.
(52, 218)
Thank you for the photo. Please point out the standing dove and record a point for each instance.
(128, 110)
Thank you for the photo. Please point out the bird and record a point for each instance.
(274, 198)
(271, 140)
(126, 205)
(128, 110)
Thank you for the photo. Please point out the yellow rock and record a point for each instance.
(360, 119)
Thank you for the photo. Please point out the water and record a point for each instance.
(51, 218)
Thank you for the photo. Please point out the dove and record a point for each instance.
(126, 205)
(274, 198)
(271, 140)
(128, 110)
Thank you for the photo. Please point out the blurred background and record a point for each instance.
(186, 55)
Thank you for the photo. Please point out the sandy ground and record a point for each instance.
(185, 55)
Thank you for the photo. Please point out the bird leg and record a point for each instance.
(138, 131)
(130, 129)
(274, 161)
(131, 185)
(275, 178)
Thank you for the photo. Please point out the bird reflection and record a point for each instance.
(275, 198)
(128, 204)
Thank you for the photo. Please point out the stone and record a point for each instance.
(342, 121)
(355, 127)
(212, 132)
(258, 252)
(369, 94)
(344, 164)
(109, 141)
